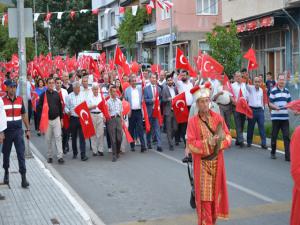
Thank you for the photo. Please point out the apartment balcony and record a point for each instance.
(98, 4)
(149, 28)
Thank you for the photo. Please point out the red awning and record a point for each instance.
(255, 24)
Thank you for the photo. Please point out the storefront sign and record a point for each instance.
(255, 24)
(165, 39)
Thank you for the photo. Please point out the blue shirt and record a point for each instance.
(280, 98)
(40, 92)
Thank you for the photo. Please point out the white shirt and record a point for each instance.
(255, 97)
(64, 94)
(3, 121)
(86, 93)
(161, 83)
(72, 101)
(184, 87)
(223, 99)
(236, 87)
(172, 91)
(94, 100)
(135, 99)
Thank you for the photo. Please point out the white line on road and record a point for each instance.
(230, 183)
(79, 204)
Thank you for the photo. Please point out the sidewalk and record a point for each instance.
(45, 202)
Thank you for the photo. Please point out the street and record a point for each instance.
(153, 188)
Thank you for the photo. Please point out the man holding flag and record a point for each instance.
(53, 120)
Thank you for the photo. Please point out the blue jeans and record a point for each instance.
(259, 117)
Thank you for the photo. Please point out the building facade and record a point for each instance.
(272, 29)
(186, 25)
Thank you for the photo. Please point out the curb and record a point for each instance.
(88, 215)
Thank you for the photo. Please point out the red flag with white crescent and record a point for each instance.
(181, 62)
(180, 109)
(85, 118)
(210, 67)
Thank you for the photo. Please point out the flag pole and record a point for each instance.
(171, 41)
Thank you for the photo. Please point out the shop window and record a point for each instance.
(204, 47)
(207, 7)
(273, 40)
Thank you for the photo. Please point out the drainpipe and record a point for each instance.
(298, 29)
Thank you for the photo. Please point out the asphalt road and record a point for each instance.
(153, 188)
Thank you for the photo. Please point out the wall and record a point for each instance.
(239, 9)
(185, 18)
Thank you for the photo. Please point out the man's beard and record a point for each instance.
(183, 79)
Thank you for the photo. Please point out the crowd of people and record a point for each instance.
(211, 105)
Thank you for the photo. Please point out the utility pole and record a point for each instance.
(22, 63)
(171, 41)
(49, 34)
(35, 34)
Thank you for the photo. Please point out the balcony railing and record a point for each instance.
(149, 28)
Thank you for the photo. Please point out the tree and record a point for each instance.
(225, 47)
(129, 26)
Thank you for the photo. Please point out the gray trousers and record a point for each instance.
(171, 126)
(239, 120)
(114, 127)
(226, 111)
(53, 138)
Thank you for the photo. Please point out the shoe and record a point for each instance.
(142, 150)
(2, 197)
(149, 146)
(85, 158)
(171, 148)
(100, 153)
(132, 149)
(24, 182)
(60, 161)
(249, 145)
(118, 155)
(49, 160)
(264, 147)
(75, 156)
(6, 178)
(273, 156)
(95, 154)
(237, 143)
(114, 159)
(287, 159)
(159, 149)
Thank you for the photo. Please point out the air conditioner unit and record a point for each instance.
(139, 36)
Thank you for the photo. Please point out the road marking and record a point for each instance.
(236, 214)
(230, 183)
(79, 204)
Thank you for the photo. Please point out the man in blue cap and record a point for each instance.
(15, 114)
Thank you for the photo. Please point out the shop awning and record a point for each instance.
(255, 24)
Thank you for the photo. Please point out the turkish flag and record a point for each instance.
(198, 60)
(243, 107)
(148, 9)
(44, 122)
(250, 55)
(95, 11)
(126, 132)
(135, 67)
(48, 17)
(156, 111)
(119, 57)
(103, 107)
(182, 63)
(126, 107)
(146, 117)
(294, 105)
(66, 118)
(34, 99)
(85, 118)
(210, 67)
(180, 109)
(155, 68)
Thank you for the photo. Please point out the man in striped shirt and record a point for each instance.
(279, 97)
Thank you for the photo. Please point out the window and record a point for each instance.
(204, 47)
(102, 22)
(207, 7)
(165, 14)
(112, 19)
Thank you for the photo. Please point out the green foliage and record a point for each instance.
(225, 47)
(129, 26)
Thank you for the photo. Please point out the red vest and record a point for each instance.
(13, 108)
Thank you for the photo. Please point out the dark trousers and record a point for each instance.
(15, 137)
(284, 126)
(182, 131)
(107, 137)
(259, 118)
(76, 130)
(136, 127)
(239, 120)
(154, 132)
(29, 110)
(114, 127)
(65, 139)
(171, 127)
(36, 120)
(226, 111)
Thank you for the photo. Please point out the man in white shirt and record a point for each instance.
(162, 79)
(256, 102)
(184, 85)
(85, 90)
(98, 120)
(239, 90)
(3, 125)
(224, 100)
